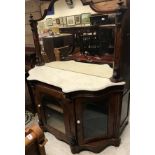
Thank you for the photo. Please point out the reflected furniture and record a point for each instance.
(87, 119)
(59, 41)
(94, 40)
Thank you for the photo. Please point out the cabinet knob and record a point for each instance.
(78, 121)
(39, 105)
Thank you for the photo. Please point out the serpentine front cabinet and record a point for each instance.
(86, 120)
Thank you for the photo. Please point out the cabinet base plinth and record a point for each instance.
(96, 147)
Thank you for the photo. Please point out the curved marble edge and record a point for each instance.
(70, 81)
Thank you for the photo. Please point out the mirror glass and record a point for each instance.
(73, 30)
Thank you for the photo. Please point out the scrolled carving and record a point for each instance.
(39, 58)
(105, 6)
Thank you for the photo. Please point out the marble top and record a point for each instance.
(73, 76)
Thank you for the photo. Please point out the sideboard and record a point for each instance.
(86, 120)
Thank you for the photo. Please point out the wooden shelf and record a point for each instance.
(55, 107)
(92, 59)
(55, 120)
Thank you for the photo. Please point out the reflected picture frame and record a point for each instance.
(64, 21)
(61, 20)
(85, 18)
(58, 21)
(77, 19)
(49, 22)
(70, 20)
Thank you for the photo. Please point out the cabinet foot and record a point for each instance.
(96, 147)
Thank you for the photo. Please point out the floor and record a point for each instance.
(56, 147)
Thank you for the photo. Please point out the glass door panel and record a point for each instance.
(54, 115)
(95, 119)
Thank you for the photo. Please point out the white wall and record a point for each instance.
(61, 9)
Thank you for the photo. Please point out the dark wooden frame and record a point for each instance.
(72, 103)
(120, 12)
(72, 100)
(67, 21)
(79, 16)
(30, 55)
(51, 22)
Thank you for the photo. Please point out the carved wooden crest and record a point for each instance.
(105, 6)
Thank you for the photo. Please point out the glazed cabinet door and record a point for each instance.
(52, 111)
(92, 119)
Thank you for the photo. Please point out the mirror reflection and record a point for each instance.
(72, 30)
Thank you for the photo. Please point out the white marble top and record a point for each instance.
(74, 76)
(104, 71)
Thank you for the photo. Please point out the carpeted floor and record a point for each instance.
(28, 117)
(56, 147)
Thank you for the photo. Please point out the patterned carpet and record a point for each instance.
(28, 117)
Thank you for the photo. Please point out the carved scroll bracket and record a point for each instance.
(105, 6)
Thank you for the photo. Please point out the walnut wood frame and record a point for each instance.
(120, 12)
(72, 112)
(122, 33)
(72, 101)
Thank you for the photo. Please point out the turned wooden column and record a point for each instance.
(118, 43)
(119, 8)
(39, 58)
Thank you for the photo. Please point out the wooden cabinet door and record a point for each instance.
(52, 111)
(92, 118)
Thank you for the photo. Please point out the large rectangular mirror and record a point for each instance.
(76, 30)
